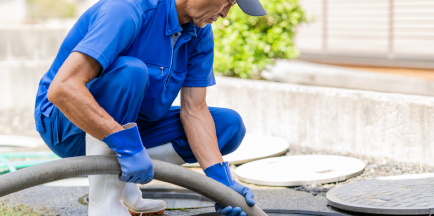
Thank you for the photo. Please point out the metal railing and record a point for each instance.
(381, 29)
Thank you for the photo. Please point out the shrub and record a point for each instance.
(244, 45)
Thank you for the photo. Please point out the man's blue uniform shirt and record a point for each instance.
(140, 29)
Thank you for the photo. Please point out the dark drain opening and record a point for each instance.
(178, 198)
(174, 198)
(281, 212)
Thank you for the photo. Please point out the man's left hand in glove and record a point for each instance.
(221, 173)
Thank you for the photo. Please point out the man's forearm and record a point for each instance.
(79, 106)
(68, 92)
(201, 134)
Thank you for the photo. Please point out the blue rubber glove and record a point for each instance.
(136, 165)
(221, 173)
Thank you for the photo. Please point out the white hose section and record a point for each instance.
(108, 165)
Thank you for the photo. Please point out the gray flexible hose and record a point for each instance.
(108, 165)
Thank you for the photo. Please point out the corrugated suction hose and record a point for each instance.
(108, 165)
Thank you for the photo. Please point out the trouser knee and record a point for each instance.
(230, 131)
(121, 87)
(128, 73)
(235, 127)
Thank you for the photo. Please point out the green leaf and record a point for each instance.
(245, 45)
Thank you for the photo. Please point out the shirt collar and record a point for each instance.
(172, 23)
(190, 29)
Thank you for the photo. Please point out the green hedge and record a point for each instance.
(244, 45)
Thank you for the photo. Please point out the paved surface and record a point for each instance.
(64, 200)
(300, 170)
(408, 194)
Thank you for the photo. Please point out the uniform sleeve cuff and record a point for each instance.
(95, 55)
(198, 83)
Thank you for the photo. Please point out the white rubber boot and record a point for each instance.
(132, 194)
(105, 191)
(138, 206)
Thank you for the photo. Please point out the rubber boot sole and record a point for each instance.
(147, 214)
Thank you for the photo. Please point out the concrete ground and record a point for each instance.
(64, 200)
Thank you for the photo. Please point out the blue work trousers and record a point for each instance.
(119, 91)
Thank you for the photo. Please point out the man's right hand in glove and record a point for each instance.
(136, 165)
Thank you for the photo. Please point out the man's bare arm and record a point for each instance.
(199, 126)
(69, 93)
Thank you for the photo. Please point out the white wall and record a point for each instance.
(12, 11)
(15, 11)
(378, 125)
(26, 53)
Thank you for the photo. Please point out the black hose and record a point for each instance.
(108, 165)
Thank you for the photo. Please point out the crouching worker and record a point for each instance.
(110, 89)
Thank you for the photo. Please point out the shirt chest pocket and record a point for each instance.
(164, 75)
(158, 75)
(163, 88)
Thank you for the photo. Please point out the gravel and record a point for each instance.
(374, 168)
(59, 200)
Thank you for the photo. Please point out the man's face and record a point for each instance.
(208, 11)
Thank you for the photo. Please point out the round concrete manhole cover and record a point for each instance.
(10, 141)
(255, 147)
(395, 195)
(300, 170)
